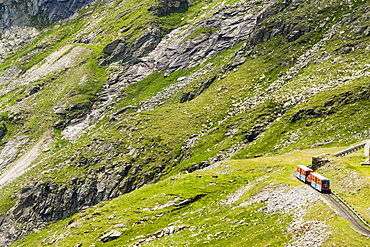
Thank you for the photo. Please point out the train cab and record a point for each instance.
(302, 172)
(319, 182)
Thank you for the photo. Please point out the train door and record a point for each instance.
(309, 179)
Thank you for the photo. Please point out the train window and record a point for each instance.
(325, 183)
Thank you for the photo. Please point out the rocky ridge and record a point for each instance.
(20, 20)
(45, 202)
(37, 13)
(175, 52)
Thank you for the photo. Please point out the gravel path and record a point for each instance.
(20, 166)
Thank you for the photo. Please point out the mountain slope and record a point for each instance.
(136, 92)
(252, 202)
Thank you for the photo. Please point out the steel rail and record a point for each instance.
(349, 213)
(349, 150)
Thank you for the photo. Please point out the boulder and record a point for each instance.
(112, 235)
(187, 96)
(165, 6)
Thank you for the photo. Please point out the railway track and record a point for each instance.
(348, 214)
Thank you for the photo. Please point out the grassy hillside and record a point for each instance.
(295, 83)
(209, 208)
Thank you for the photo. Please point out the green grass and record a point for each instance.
(172, 123)
(159, 135)
(148, 87)
(206, 221)
(210, 220)
(351, 181)
(341, 232)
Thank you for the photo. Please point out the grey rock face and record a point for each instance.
(37, 13)
(180, 50)
(166, 5)
(228, 26)
(119, 52)
(48, 202)
(12, 39)
(20, 19)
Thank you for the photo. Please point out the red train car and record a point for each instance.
(302, 172)
(314, 179)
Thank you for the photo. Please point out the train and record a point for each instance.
(316, 180)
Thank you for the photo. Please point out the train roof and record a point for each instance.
(319, 176)
(305, 168)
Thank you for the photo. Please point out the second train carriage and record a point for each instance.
(302, 172)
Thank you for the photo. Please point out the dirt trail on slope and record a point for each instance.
(20, 166)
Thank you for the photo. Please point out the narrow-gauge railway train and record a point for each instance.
(312, 178)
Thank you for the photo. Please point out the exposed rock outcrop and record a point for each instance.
(13, 38)
(11, 150)
(112, 235)
(159, 234)
(20, 20)
(228, 26)
(167, 5)
(268, 28)
(49, 202)
(37, 13)
(119, 51)
(182, 48)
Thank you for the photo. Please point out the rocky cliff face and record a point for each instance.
(47, 202)
(20, 20)
(37, 13)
